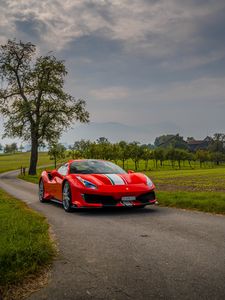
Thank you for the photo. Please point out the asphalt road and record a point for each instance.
(151, 253)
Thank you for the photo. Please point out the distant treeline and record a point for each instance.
(166, 148)
(11, 148)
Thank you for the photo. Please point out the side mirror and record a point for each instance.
(55, 173)
(130, 171)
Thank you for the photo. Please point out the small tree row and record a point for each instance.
(122, 152)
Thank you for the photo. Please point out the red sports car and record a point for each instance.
(95, 183)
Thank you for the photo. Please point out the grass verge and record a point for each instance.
(31, 178)
(34, 178)
(212, 202)
(25, 246)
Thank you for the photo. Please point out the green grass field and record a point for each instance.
(15, 161)
(25, 245)
(207, 180)
(213, 202)
(200, 189)
(170, 183)
(10, 162)
(34, 178)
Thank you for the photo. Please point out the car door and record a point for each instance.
(57, 181)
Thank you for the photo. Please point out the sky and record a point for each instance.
(144, 67)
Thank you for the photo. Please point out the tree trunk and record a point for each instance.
(146, 165)
(34, 156)
(179, 163)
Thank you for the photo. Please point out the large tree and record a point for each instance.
(32, 97)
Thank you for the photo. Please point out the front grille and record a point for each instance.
(144, 198)
(100, 199)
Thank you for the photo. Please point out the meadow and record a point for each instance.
(199, 188)
(10, 162)
(193, 187)
(25, 246)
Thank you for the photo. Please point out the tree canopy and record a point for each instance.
(171, 140)
(56, 152)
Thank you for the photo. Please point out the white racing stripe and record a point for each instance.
(115, 179)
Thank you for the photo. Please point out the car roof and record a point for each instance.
(84, 159)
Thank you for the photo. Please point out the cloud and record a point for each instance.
(156, 28)
(195, 106)
(30, 26)
(154, 59)
(110, 93)
(198, 91)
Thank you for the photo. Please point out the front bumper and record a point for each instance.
(101, 200)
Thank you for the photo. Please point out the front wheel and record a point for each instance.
(41, 191)
(66, 197)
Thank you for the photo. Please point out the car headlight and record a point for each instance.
(87, 183)
(149, 182)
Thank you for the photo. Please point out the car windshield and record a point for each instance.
(95, 167)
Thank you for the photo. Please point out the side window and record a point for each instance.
(63, 170)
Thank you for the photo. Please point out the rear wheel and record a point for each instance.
(67, 197)
(41, 191)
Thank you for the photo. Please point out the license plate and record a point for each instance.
(128, 198)
(127, 203)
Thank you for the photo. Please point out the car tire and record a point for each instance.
(66, 197)
(41, 191)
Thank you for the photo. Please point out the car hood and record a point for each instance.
(114, 179)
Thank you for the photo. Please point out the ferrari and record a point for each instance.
(92, 183)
